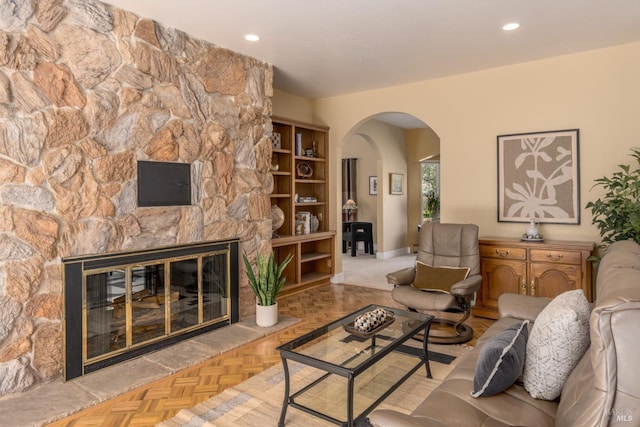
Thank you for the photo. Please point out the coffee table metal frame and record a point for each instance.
(419, 323)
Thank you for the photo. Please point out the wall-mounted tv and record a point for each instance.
(164, 183)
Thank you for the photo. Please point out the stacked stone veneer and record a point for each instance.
(86, 90)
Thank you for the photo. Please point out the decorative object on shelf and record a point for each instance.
(532, 234)
(276, 140)
(315, 223)
(396, 183)
(373, 185)
(309, 152)
(275, 167)
(277, 218)
(616, 212)
(266, 282)
(350, 206)
(304, 220)
(538, 176)
(304, 170)
(298, 144)
(309, 199)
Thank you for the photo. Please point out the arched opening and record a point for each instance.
(386, 144)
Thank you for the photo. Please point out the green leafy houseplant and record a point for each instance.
(267, 281)
(431, 205)
(617, 212)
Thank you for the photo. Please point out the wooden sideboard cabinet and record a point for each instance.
(542, 269)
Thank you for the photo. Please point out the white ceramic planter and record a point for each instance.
(266, 315)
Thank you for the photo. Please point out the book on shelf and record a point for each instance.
(310, 199)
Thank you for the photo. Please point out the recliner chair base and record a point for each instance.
(447, 336)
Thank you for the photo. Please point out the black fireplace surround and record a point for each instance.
(118, 306)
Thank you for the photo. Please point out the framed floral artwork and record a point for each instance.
(538, 177)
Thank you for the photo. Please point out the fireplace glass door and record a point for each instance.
(135, 304)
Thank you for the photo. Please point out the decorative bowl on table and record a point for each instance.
(370, 323)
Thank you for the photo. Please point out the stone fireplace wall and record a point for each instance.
(86, 90)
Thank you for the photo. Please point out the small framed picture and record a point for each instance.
(396, 183)
(373, 185)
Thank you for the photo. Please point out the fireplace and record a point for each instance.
(121, 305)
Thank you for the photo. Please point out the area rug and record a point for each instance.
(371, 272)
(258, 401)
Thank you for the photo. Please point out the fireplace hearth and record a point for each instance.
(121, 305)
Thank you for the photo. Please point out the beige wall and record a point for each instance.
(596, 91)
(361, 148)
(292, 107)
(371, 142)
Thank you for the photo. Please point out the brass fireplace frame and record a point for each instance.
(77, 270)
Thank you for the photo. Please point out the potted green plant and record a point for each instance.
(617, 212)
(431, 205)
(266, 282)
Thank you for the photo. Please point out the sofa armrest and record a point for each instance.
(402, 277)
(523, 307)
(390, 418)
(468, 286)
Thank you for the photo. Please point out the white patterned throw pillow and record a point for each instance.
(559, 337)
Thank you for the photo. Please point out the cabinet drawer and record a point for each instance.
(563, 257)
(503, 252)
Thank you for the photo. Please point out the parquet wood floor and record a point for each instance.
(162, 399)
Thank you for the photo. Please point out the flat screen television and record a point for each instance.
(164, 183)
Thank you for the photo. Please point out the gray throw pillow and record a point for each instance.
(501, 361)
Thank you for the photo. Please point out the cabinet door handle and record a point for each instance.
(502, 253)
(524, 287)
(533, 287)
(554, 258)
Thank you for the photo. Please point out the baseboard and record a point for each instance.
(392, 254)
(338, 278)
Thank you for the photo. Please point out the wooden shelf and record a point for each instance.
(302, 204)
(315, 277)
(301, 238)
(312, 256)
(313, 253)
(310, 181)
(311, 159)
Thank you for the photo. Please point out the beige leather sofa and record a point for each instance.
(602, 390)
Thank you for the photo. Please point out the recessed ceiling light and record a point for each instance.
(511, 26)
(252, 37)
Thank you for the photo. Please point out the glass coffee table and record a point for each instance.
(354, 371)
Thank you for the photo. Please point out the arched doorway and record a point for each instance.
(384, 144)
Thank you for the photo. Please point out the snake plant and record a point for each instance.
(267, 281)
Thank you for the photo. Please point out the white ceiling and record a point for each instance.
(331, 47)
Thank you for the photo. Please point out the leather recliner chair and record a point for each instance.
(443, 245)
